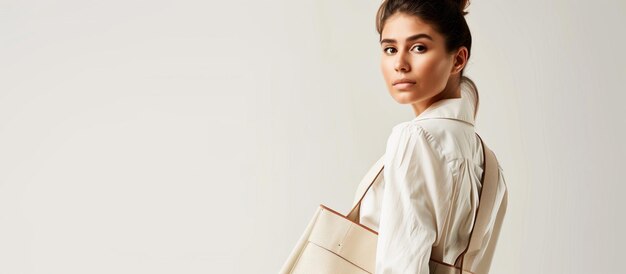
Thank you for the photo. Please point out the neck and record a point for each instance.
(452, 90)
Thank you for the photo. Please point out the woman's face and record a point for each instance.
(412, 50)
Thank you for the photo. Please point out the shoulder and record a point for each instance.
(410, 139)
(448, 138)
(410, 130)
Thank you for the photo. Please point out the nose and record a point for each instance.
(401, 63)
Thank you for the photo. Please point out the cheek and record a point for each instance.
(386, 66)
(432, 72)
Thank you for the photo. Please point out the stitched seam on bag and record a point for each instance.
(340, 257)
(343, 239)
(344, 217)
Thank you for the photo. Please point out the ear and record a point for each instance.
(460, 60)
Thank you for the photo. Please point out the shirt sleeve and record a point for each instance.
(416, 201)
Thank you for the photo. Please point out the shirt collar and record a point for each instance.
(461, 109)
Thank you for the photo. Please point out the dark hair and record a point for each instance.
(445, 16)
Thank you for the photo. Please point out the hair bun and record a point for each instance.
(463, 4)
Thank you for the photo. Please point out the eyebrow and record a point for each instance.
(411, 38)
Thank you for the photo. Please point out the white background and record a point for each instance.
(200, 136)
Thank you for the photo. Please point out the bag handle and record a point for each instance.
(366, 183)
(487, 200)
(487, 197)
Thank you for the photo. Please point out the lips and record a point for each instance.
(403, 84)
(403, 81)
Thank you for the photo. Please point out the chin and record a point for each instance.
(404, 97)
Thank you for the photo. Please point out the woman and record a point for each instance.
(425, 205)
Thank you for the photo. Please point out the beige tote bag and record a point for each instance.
(339, 244)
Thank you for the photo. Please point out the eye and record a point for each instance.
(423, 48)
(385, 50)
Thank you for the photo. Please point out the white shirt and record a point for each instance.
(428, 195)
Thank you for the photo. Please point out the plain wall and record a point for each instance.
(200, 136)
